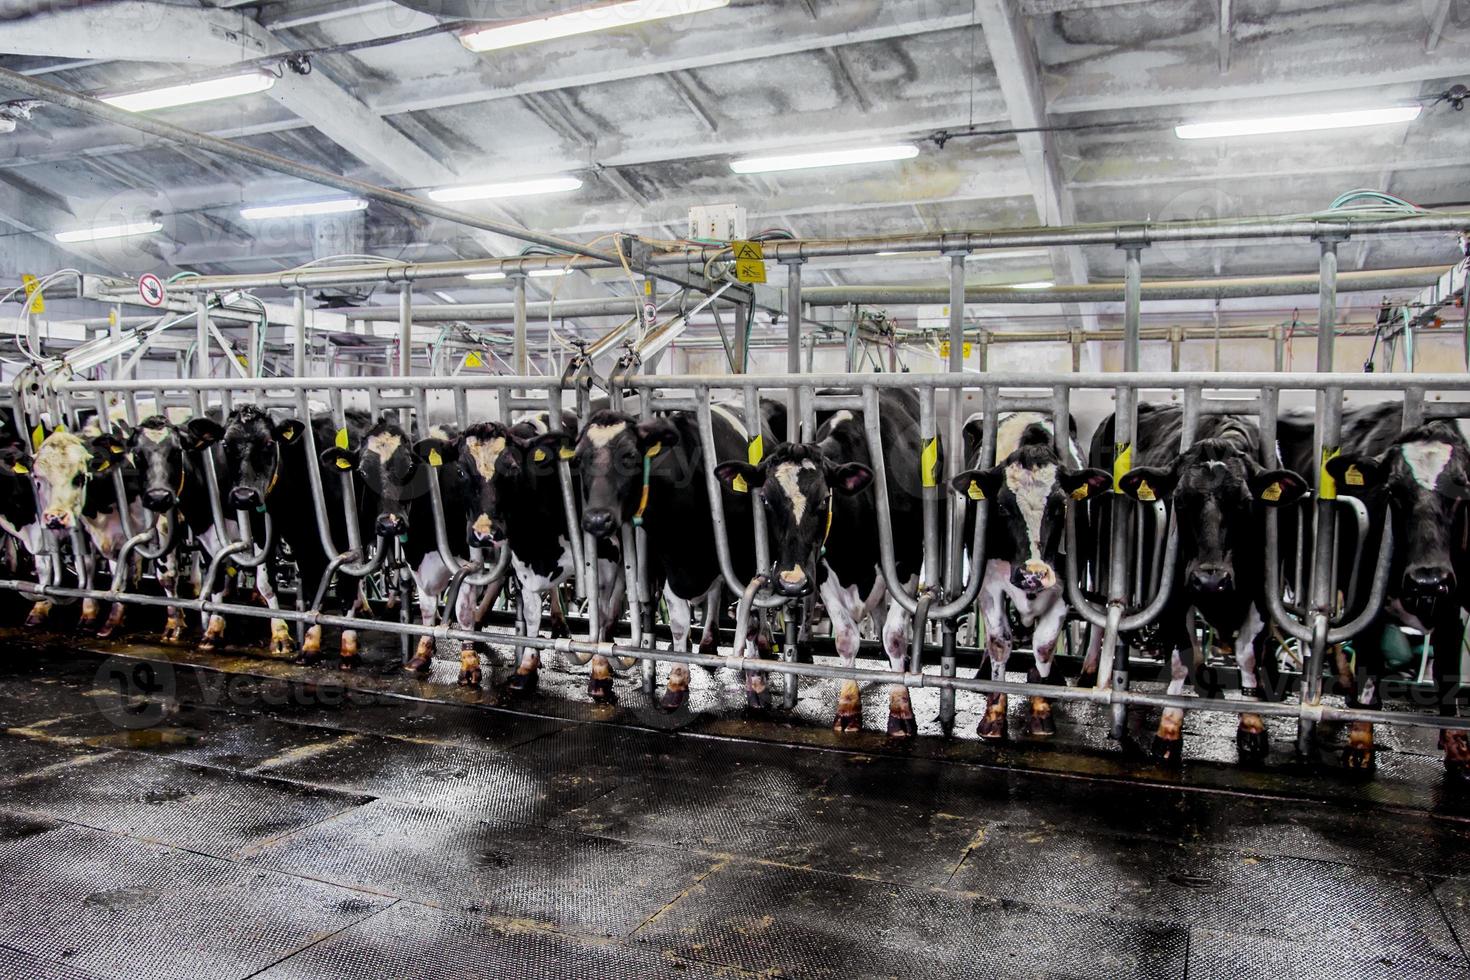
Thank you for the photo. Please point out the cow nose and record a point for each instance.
(598, 523)
(1027, 580)
(1210, 578)
(793, 582)
(244, 498)
(1429, 580)
(56, 522)
(391, 525)
(158, 499)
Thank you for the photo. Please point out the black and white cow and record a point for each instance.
(822, 516)
(394, 475)
(513, 496)
(675, 510)
(1219, 493)
(1027, 493)
(1420, 480)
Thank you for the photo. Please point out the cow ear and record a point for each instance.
(1087, 483)
(337, 458)
(109, 445)
(551, 446)
(739, 476)
(1277, 488)
(849, 478)
(1355, 474)
(289, 430)
(17, 462)
(436, 452)
(100, 462)
(204, 431)
(656, 435)
(977, 484)
(1147, 483)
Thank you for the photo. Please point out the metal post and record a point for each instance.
(298, 338)
(201, 340)
(519, 356)
(955, 457)
(793, 348)
(405, 346)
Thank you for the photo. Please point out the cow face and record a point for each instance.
(609, 455)
(1425, 478)
(252, 449)
(157, 448)
(1215, 488)
(492, 462)
(1028, 506)
(59, 472)
(390, 470)
(795, 484)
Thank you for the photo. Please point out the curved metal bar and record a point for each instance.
(206, 584)
(949, 610)
(742, 611)
(1376, 592)
(120, 572)
(1150, 612)
(920, 627)
(1360, 514)
(1274, 603)
(169, 541)
(887, 563)
(1085, 607)
(635, 605)
(257, 558)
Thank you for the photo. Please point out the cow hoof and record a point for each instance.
(34, 620)
(1087, 678)
(208, 643)
(1168, 751)
(87, 624)
(848, 722)
(601, 690)
(307, 658)
(674, 699)
(174, 634)
(523, 682)
(1252, 746)
(105, 631)
(709, 650)
(283, 647)
(1360, 759)
(349, 663)
(900, 726)
(1041, 725)
(420, 666)
(470, 677)
(758, 700)
(1457, 773)
(992, 729)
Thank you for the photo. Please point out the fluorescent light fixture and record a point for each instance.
(1307, 122)
(109, 231)
(585, 20)
(824, 158)
(1039, 284)
(445, 297)
(304, 209)
(1006, 253)
(510, 188)
(192, 92)
(534, 274)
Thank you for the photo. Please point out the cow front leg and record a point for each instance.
(527, 674)
(709, 636)
(681, 612)
(557, 617)
(1252, 743)
(1447, 634)
(430, 578)
(600, 681)
(997, 647)
(214, 625)
(901, 723)
(841, 606)
(168, 580)
(1168, 747)
(1039, 721)
(282, 644)
(114, 621)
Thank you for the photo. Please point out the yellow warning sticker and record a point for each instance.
(38, 300)
(929, 464)
(1122, 463)
(750, 270)
(747, 250)
(1326, 485)
(756, 451)
(473, 359)
(966, 349)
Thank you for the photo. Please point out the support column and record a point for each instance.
(793, 348)
(298, 335)
(520, 357)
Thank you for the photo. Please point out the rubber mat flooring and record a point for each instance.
(173, 814)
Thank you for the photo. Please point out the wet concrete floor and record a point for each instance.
(170, 813)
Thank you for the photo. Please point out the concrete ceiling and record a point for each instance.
(649, 116)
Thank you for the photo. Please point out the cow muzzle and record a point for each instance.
(486, 531)
(57, 521)
(599, 523)
(159, 499)
(1429, 581)
(391, 525)
(1211, 579)
(244, 498)
(793, 582)
(1033, 577)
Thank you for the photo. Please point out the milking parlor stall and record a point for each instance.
(723, 488)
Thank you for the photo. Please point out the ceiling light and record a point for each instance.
(445, 297)
(109, 231)
(304, 209)
(1298, 124)
(583, 21)
(1039, 284)
(534, 274)
(485, 275)
(510, 188)
(824, 158)
(191, 92)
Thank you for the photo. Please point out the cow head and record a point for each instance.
(158, 450)
(391, 471)
(492, 461)
(253, 447)
(59, 471)
(795, 484)
(1425, 479)
(1028, 494)
(609, 455)
(1216, 488)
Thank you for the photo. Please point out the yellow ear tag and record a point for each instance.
(38, 435)
(1145, 492)
(19, 468)
(974, 492)
(435, 459)
(1272, 493)
(344, 464)
(1081, 492)
(738, 484)
(540, 456)
(1353, 477)
(654, 450)
(342, 438)
(118, 450)
(104, 466)
(756, 451)
(566, 452)
(289, 433)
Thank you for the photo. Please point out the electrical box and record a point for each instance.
(717, 222)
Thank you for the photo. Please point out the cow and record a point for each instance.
(612, 454)
(1027, 493)
(821, 512)
(513, 498)
(261, 466)
(394, 474)
(1418, 479)
(1219, 493)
